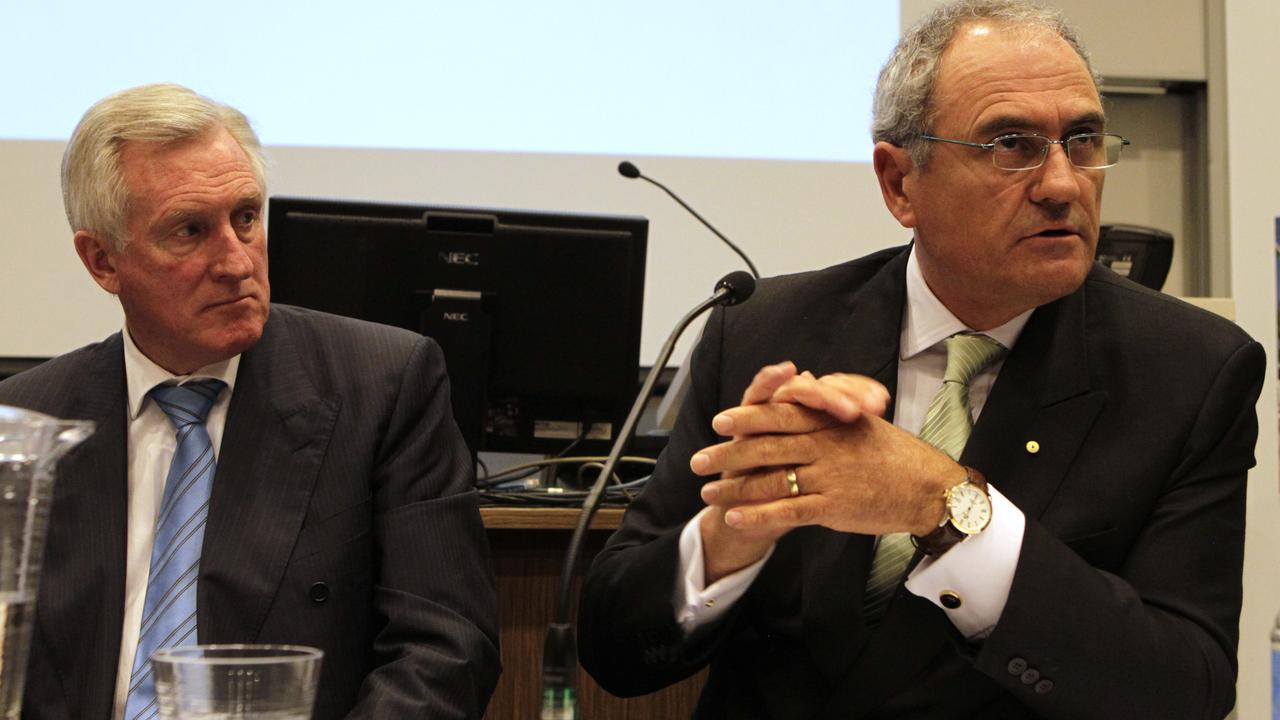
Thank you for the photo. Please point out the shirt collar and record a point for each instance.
(142, 374)
(929, 322)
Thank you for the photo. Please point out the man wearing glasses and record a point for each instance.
(977, 476)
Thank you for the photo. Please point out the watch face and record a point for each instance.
(970, 509)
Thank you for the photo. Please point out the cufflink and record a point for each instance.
(950, 599)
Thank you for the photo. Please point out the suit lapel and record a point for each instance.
(278, 430)
(834, 564)
(1042, 394)
(82, 581)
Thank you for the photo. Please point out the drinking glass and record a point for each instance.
(203, 682)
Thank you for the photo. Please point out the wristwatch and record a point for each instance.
(968, 513)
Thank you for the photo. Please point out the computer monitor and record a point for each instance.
(538, 313)
(1142, 254)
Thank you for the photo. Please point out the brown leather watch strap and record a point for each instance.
(948, 535)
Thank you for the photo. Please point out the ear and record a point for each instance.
(893, 165)
(99, 258)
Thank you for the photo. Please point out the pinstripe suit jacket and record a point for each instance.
(1126, 597)
(342, 517)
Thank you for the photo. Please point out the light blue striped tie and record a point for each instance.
(169, 612)
(946, 427)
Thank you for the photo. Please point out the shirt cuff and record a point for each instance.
(971, 581)
(697, 605)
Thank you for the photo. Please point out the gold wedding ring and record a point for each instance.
(793, 482)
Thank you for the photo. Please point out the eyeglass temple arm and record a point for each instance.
(984, 146)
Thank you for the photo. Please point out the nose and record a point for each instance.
(1057, 181)
(232, 261)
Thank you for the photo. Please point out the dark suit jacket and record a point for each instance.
(342, 517)
(1126, 597)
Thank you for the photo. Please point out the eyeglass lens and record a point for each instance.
(1093, 150)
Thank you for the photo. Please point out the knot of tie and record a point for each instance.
(187, 404)
(949, 420)
(968, 354)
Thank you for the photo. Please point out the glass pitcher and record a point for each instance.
(30, 445)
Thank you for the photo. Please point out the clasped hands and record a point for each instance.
(856, 471)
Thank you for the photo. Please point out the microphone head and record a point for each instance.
(627, 170)
(740, 285)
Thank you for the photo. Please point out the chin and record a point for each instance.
(1061, 282)
(234, 341)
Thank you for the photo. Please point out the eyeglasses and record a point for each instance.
(1088, 151)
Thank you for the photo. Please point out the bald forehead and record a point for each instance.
(980, 45)
(998, 77)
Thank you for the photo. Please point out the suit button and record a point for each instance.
(1030, 676)
(1017, 666)
(318, 593)
(1044, 686)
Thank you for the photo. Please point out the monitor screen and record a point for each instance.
(538, 313)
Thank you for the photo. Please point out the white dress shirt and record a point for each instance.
(151, 446)
(979, 569)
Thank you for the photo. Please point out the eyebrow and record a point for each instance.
(254, 195)
(182, 213)
(1001, 123)
(253, 198)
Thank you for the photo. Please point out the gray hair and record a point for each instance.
(904, 93)
(93, 186)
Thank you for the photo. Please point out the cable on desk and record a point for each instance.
(619, 494)
(521, 471)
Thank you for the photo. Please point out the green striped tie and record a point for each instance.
(947, 428)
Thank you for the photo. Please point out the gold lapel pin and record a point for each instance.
(1033, 447)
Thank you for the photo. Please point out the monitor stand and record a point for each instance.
(458, 321)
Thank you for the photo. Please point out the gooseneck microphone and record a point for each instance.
(559, 652)
(628, 170)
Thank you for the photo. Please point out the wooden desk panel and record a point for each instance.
(528, 546)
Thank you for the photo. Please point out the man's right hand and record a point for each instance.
(807, 404)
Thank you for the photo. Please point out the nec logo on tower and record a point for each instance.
(458, 257)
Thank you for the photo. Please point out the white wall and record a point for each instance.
(1253, 104)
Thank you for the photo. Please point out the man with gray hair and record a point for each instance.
(260, 473)
(977, 476)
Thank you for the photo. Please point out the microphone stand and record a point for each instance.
(559, 651)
